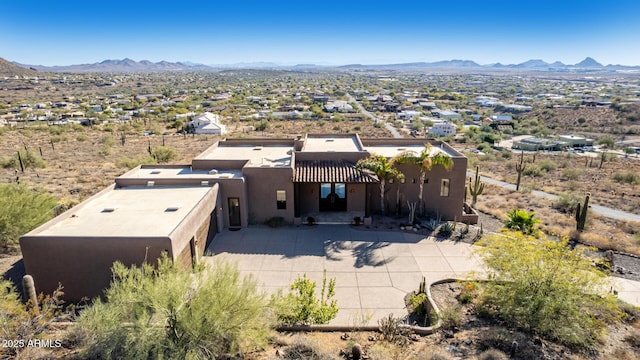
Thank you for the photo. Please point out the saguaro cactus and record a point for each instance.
(520, 166)
(581, 213)
(29, 291)
(475, 188)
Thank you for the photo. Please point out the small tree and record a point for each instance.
(21, 210)
(164, 154)
(168, 312)
(545, 287)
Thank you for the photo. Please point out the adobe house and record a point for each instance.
(178, 209)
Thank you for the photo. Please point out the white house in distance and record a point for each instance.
(443, 128)
(207, 123)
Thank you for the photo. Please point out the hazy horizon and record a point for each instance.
(327, 33)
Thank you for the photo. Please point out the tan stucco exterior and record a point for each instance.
(179, 208)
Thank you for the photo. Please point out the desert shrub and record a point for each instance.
(21, 210)
(309, 349)
(627, 177)
(493, 354)
(60, 138)
(29, 160)
(107, 140)
(468, 293)
(164, 154)
(546, 288)
(104, 150)
(394, 331)
(21, 323)
(533, 170)
(82, 137)
(302, 306)
(520, 220)
(567, 202)
(434, 355)
(547, 165)
(416, 302)
(130, 163)
(572, 173)
(170, 312)
(451, 317)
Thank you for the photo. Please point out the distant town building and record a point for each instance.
(443, 128)
(207, 123)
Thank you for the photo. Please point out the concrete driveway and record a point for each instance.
(374, 270)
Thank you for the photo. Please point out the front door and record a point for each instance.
(333, 197)
(234, 212)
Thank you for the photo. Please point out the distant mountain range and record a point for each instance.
(128, 65)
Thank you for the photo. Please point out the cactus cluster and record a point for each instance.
(581, 213)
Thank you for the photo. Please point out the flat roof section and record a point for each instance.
(173, 172)
(331, 143)
(393, 150)
(256, 155)
(130, 212)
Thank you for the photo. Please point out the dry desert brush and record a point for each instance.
(170, 312)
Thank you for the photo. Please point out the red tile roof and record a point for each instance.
(325, 171)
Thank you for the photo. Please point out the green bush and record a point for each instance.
(21, 323)
(29, 160)
(533, 171)
(107, 140)
(130, 163)
(416, 301)
(21, 210)
(164, 154)
(547, 165)
(82, 137)
(169, 312)
(520, 220)
(546, 288)
(302, 306)
(572, 173)
(628, 177)
(567, 202)
(446, 229)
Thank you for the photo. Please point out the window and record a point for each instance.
(444, 187)
(281, 199)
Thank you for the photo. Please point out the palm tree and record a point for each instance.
(384, 169)
(520, 220)
(426, 160)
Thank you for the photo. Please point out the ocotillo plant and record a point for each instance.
(581, 213)
(475, 188)
(520, 166)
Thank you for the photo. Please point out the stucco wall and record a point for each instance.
(449, 207)
(83, 265)
(262, 183)
(356, 197)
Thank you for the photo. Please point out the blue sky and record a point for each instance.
(324, 32)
